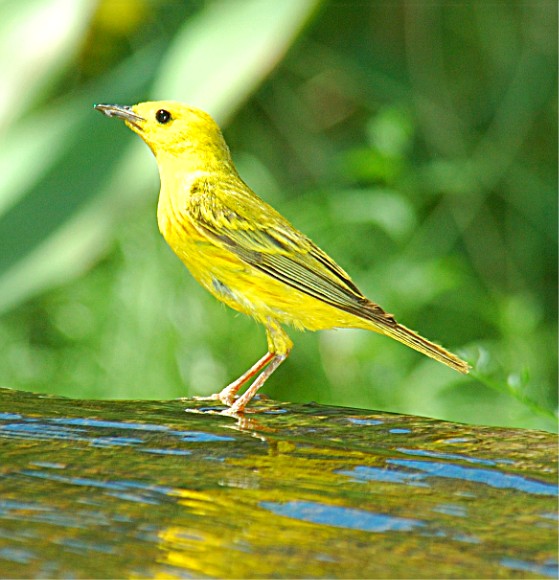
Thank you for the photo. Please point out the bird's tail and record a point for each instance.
(385, 324)
(424, 346)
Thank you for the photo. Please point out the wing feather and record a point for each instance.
(261, 237)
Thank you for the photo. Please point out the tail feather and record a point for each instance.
(387, 325)
(424, 346)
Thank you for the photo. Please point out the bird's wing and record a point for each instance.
(261, 237)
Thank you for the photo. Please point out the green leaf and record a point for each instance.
(59, 209)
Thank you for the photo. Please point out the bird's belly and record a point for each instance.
(247, 289)
(252, 292)
(218, 270)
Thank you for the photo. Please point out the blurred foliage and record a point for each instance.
(413, 141)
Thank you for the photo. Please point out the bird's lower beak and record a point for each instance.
(122, 112)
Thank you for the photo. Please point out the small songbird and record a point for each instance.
(243, 251)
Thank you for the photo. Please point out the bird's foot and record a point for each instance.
(214, 397)
(223, 396)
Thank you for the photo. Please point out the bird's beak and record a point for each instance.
(122, 112)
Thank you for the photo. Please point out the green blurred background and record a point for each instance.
(414, 141)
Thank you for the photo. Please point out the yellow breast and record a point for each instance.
(234, 282)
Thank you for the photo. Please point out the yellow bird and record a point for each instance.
(243, 251)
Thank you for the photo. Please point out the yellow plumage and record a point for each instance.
(243, 251)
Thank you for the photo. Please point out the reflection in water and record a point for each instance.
(17, 555)
(466, 458)
(118, 485)
(359, 421)
(105, 489)
(365, 473)
(452, 509)
(341, 517)
(549, 568)
(486, 476)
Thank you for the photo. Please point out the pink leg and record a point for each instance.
(239, 405)
(279, 347)
(227, 394)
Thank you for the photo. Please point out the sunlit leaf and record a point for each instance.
(221, 54)
(41, 245)
(37, 39)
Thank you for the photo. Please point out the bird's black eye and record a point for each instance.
(162, 116)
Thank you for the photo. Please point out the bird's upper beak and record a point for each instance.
(122, 112)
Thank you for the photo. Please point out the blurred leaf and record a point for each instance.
(36, 143)
(38, 38)
(385, 208)
(41, 244)
(515, 386)
(390, 131)
(223, 52)
(83, 151)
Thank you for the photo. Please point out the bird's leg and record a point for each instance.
(239, 405)
(279, 347)
(227, 394)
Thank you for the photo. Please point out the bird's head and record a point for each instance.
(173, 129)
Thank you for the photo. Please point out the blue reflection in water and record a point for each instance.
(108, 424)
(451, 509)
(114, 441)
(124, 489)
(341, 517)
(134, 497)
(550, 568)
(31, 429)
(184, 435)
(79, 546)
(438, 454)
(166, 451)
(365, 473)
(7, 506)
(357, 421)
(80, 429)
(200, 436)
(428, 469)
(32, 512)
(489, 477)
(17, 555)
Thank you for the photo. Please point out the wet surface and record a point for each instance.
(95, 489)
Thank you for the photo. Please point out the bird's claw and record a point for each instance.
(214, 397)
(223, 398)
